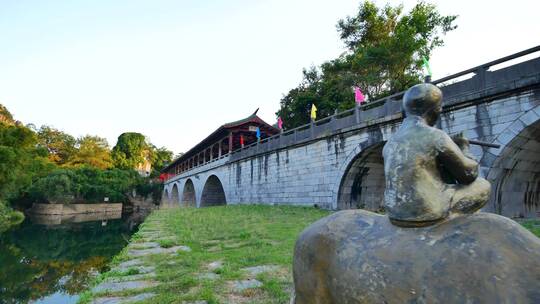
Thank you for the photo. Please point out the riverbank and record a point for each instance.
(230, 254)
(50, 259)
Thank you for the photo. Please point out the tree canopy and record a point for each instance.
(60, 145)
(48, 165)
(91, 151)
(131, 150)
(21, 161)
(384, 54)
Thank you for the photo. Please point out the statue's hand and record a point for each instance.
(461, 141)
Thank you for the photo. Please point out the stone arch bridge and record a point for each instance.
(336, 162)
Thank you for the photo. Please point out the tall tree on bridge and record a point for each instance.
(385, 51)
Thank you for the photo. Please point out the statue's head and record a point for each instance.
(423, 100)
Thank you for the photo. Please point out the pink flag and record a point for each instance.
(280, 123)
(358, 96)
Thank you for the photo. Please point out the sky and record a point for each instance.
(175, 70)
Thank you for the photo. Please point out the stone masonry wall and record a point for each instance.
(312, 173)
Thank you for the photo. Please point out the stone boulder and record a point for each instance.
(356, 256)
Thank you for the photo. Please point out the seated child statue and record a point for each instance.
(419, 162)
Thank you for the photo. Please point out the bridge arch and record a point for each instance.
(175, 198)
(362, 183)
(165, 197)
(213, 193)
(188, 194)
(514, 168)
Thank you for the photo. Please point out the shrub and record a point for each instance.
(9, 217)
(85, 185)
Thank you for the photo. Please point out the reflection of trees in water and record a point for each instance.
(37, 261)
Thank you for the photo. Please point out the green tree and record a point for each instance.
(5, 116)
(131, 150)
(85, 185)
(91, 151)
(60, 145)
(162, 157)
(385, 48)
(20, 163)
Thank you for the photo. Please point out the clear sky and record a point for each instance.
(175, 70)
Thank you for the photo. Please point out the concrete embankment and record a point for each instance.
(69, 209)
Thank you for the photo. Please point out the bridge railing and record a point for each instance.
(455, 91)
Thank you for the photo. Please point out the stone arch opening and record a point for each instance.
(165, 197)
(174, 195)
(188, 195)
(213, 193)
(515, 176)
(362, 185)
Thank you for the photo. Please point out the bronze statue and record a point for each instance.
(432, 247)
(420, 160)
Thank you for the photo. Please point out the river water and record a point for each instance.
(50, 259)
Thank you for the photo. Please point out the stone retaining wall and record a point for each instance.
(75, 208)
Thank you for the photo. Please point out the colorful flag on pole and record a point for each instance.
(358, 96)
(258, 133)
(313, 111)
(426, 66)
(280, 123)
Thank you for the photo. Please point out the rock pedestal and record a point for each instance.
(356, 256)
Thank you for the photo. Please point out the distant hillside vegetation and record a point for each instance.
(5, 116)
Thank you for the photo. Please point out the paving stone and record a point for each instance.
(260, 269)
(195, 302)
(208, 276)
(214, 265)
(135, 277)
(239, 286)
(144, 245)
(120, 300)
(144, 252)
(139, 268)
(121, 286)
(130, 263)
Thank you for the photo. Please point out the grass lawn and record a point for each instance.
(532, 225)
(231, 237)
(223, 242)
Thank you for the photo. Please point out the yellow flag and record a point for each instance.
(313, 112)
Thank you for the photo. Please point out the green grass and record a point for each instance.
(238, 237)
(532, 225)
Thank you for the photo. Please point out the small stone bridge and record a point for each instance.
(336, 162)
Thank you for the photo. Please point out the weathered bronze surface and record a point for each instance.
(356, 256)
(420, 161)
(450, 255)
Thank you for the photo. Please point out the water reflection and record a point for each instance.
(52, 259)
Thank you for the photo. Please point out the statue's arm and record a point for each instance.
(461, 167)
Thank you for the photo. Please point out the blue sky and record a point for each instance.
(176, 70)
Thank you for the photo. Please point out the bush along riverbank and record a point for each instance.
(229, 254)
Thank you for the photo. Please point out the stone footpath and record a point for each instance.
(135, 276)
(134, 279)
